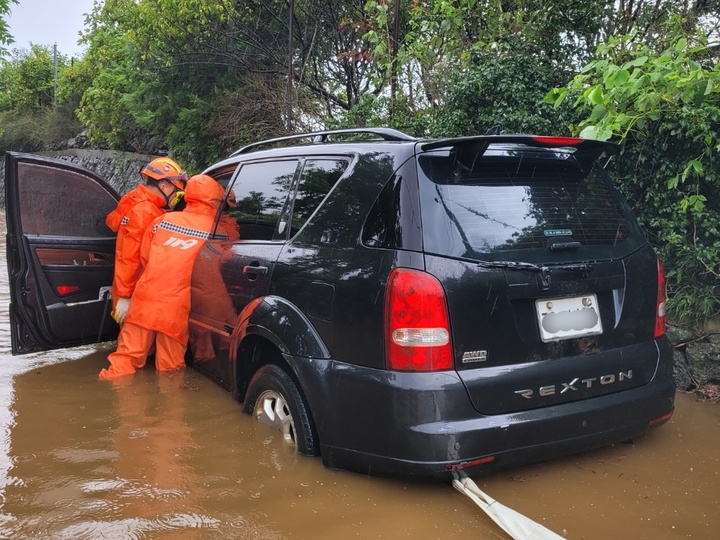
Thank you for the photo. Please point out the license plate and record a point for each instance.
(568, 318)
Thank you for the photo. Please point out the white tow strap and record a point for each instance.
(514, 523)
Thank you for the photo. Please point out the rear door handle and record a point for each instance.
(254, 271)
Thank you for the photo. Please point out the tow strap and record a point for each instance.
(514, 523)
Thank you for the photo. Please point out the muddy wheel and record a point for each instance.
(274, 400)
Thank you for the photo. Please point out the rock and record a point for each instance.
(703, 359)
(678, 334)
(696, 358)
(681, 372)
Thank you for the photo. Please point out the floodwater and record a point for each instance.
(172, 456)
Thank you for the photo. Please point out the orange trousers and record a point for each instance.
(134, 345)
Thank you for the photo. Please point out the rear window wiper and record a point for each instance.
(514, 265)
(511, 265)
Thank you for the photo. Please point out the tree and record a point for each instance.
(503, 90)
(442, 42)
(180, 70)
(5, 37)
(27, 81)
(31, 114)
(112, 55)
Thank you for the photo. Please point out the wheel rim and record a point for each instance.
(272, 410)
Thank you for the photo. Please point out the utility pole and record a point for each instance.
(55, 69)
(289, 96)
(393, 65)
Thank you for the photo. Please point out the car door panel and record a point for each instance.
(60, 254)
(229, 274)
(226, 278)
(212, 317)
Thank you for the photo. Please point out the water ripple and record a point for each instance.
(138, 528)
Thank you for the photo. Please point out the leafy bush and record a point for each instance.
(661, 102)
(21, 131)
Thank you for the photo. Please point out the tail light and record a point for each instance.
(417, 326)
(660, 309)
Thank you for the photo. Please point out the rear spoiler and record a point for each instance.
(586, 151)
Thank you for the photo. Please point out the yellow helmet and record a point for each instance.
(164, 168)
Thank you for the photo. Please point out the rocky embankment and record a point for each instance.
(696, 354)
(697, 360)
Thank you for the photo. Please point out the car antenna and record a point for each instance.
(495, 130)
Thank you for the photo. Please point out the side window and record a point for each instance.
(317, 179)
(383, 227)
(60, 202)
(261, 191)
(223, 174)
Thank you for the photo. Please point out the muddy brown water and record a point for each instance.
(172, 456)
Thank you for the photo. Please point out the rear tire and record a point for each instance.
(274, 400)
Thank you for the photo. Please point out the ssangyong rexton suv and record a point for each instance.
(398, 306)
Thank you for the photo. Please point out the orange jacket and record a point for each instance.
(135, 211)
(161, 301)
(229, 226)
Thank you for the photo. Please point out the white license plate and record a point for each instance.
(567, 318)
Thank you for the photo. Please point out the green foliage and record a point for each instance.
(195, 122)
(370, 110)
(27, 82)
(165, 67)
(504, 91)
(661, 101)
(103, 107)
(465, 66)
(5, 37)
(34, 117)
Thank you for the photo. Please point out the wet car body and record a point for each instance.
(412, 308)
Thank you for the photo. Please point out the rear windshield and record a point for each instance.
(500, 203)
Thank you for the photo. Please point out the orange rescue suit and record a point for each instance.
(135, 211)
(161, 301)
(160, 306)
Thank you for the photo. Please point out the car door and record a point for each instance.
(60, 254)
(230, 273)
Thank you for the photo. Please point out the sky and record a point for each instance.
(48, 22)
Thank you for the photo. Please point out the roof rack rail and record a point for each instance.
(386, 134)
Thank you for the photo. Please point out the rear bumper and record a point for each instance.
(521, 441)
(423, 424)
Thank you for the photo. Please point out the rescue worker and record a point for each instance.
(160, 307)
(164, 184)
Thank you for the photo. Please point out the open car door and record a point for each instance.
(60, 254)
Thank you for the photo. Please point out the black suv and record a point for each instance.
(399, 306)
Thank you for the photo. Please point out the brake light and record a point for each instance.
(62, 290)
(417, 326)
(557, 141)
(661, 294)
